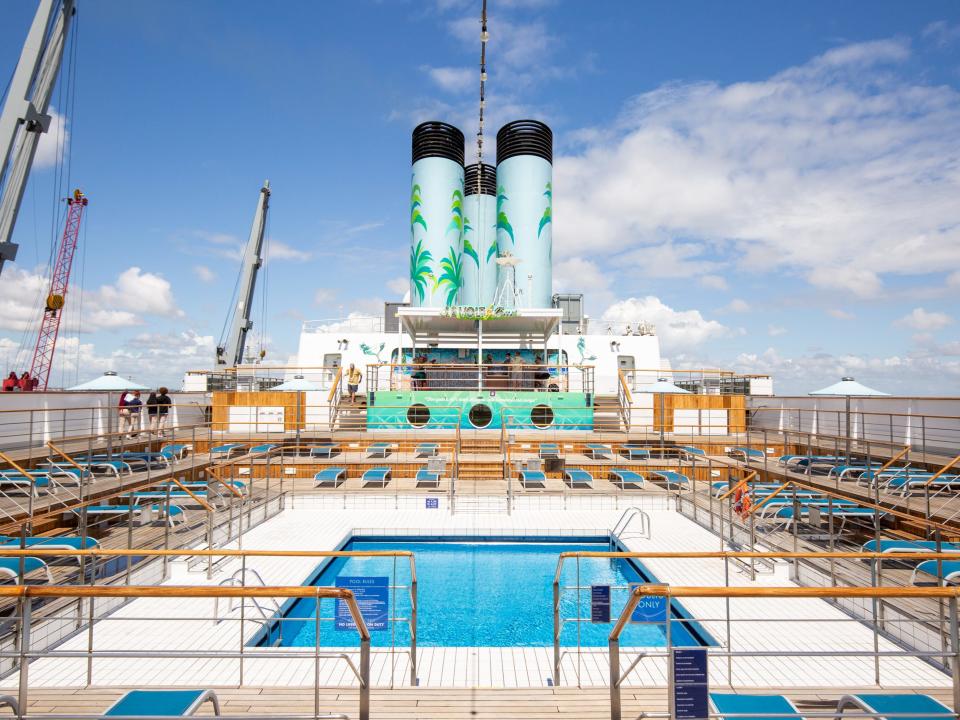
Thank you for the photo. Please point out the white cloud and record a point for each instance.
(137, 292)
(678, 329)
(323, 296)
(942, 33)
(454, 79)
(21, 297)
(920, 319)
(836, 171)
(398, 285)
(841, 314)
(277, 250)
(738, 305)
(953, 279)
(364, 227)
(204, 274)
(52, 143)
(776, 330)
(713, 282)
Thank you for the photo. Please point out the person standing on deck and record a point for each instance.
(132, 406)
(517, 372)
(354, 377)
(26, 382)
(152, 411)
(163, 410)
(10, 383)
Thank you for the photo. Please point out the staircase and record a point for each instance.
(351, 416)
(607, 413)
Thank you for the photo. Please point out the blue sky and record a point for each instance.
(774, 185)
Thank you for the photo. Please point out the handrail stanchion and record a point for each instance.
(955, 648)
(25, 612)
(556, 629)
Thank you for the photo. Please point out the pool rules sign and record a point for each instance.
(373, 598)
(689, 682)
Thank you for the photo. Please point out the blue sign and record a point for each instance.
(373, 597)
(691, 684)
(433, 503)
(651, 609)
(600, 603)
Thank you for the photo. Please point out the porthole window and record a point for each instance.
(480, 416)
(418, 415)
(541, 416)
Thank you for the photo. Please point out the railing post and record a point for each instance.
(24, 650)
(556, 632)
(364, 710)
(955, 648)
(210, 544)
(413, 633)
(876, 619)
(316, 664)
(614, 651)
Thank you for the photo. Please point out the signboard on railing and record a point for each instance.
(373, 598)
(691, 686)
(600, 603)
(650, 609)
(477, 312)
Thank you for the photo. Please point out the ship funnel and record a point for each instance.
(436, 215)
(479, 235)
(525, 211)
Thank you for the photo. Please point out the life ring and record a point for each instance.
(742, 503)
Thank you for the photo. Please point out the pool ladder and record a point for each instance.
(239, 579)
(628, 515)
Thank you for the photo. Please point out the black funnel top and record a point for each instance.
(525, 137)
(488, 180)
(437, 139)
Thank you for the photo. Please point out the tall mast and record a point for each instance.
(231, 351)
(24, 115)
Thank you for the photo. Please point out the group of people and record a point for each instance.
(24, 383)
(513, 373)
(158, 410)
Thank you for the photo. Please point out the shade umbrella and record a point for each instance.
(847, 388)
(298, 385)
(110, 383)
(663, 387)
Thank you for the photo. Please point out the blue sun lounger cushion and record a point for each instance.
(426, 449)
(530, 478)
(176, 449)
(330, 477)
(427, 478)
(951, 571)
(175, 511)
(903, 706)
(30, 483)
(10, 567)
(599, 450)
(909, 546)
(378, 476)
(747, 453)
(634, 452)
(753, 706)
(64, 542)
(672, 478)
(578, 478)
(227, 450)
(263, 448)
(690, 450)
(549, 451)
(162, 703)
(379, 449)
(623, 478)
(324, 450)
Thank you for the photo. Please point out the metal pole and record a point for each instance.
(556, 633)
(614, 651)
(413, 632)
(955, 647)
(24, 649)
(90, 621)
(364, 711)
(876, 617)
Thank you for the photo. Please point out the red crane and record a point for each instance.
(59, 284)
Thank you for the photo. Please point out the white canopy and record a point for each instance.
(109, 381)
(297, 384)
(662, 385)
(848, 386)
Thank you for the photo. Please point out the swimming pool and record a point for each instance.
(481, 592)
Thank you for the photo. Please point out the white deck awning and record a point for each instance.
(440, 326)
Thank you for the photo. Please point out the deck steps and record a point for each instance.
(607, 413)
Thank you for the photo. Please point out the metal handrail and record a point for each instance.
(629, 514)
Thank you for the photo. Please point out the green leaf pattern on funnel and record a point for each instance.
(503, 222)
(548, 211)
(416, 217)
(452, 276)
(456, 212)
(420, 268)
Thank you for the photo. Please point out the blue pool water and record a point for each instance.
(489, 593)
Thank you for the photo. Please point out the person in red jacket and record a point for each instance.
(26, 382)
(10, 382)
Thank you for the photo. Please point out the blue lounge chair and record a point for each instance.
(378, 476)
(756, 707)
(94, 466)
(549, 451)
(378, 450)
(748, 454)
(10, 567)
(330, 477)
(951, 571)
(578, 478)
(625, 478)
(31, 484)
(532, 478)
(63, 542)
(673, 479)
(263, 448)
(909, 546)
(324, 450)
(428, 478)
(904, 706)
(690, 450)
(178, 450)
(634, 452)
(162, 703)
(599, 451)
(10, 702)
(227, 450)
(426, 449)
(175, 511)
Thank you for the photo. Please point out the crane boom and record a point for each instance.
(27, 102)
(231, 352)
(59, 284)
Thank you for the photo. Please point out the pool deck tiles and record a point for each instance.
(815, 624)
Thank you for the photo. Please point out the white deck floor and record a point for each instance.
(816, 625)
